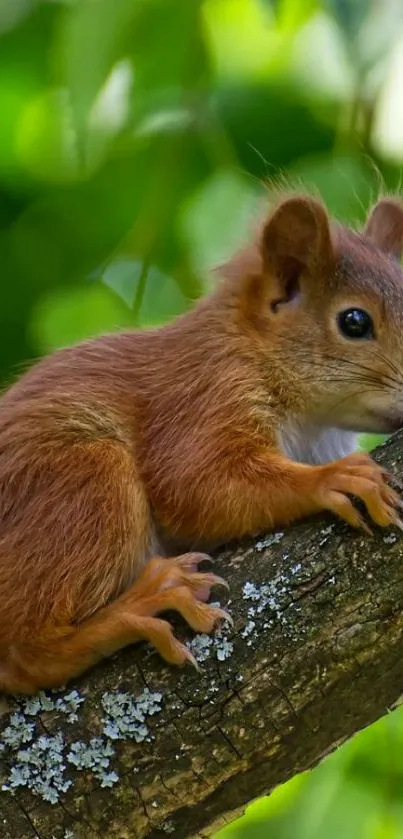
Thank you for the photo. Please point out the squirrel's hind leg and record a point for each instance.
(165, 584)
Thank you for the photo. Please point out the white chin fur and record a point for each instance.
(309, 444)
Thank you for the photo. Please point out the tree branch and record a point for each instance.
(316, 654)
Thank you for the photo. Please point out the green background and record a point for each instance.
(137, 140)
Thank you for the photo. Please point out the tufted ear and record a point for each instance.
(296, 241)
(294, 248)
(384, 226)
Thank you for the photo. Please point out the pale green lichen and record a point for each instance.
(40, 767)
(18, 731)
(325, 533)
(268, 601)
(266, 596)
(202, 646)
(126, 714)
(68, 704)
(390, 539)
(250, 626)
(223, 647)
(96, 756)
(268, 541)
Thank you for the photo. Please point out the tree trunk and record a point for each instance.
(315, 655)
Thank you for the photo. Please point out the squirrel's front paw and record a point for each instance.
(360, 476)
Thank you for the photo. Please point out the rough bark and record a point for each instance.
(320, 658)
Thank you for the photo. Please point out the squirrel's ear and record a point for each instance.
(296, 239)
(384, 226)
(295, 246)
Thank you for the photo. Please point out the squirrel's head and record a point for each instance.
(327, 309)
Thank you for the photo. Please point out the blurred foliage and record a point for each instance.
(138, 137)
(137, 140)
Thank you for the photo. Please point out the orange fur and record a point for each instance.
(125, 450)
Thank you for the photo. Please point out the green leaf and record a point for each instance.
(124, 276)
(94, 36)
(349, 15)
(169, 50)
(153, 297)
(370, 32)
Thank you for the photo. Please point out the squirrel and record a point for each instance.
(124, 457)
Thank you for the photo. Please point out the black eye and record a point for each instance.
(356, 323)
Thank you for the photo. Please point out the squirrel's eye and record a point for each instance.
(356, 323)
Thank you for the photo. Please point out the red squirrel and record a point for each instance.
(119, 454)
